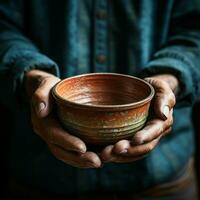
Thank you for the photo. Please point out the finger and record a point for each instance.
(108, 155)
(121, 147)
(51, 131)
(164, 99)
(153, 129)
(141, 150)
(57, 135)
(41, 99)
(134, 152)
(86, 160)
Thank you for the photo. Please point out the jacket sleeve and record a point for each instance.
(181, 54)
(17, 53)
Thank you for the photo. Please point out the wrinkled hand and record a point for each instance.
(63, 146)
(145, 140)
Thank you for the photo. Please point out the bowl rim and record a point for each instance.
(103, 107)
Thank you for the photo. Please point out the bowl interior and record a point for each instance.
(103, 89)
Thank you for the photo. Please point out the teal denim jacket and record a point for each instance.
(140, 38)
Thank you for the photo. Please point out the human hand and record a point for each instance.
(62, 145)
(145, 140)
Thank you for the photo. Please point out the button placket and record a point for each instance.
(100, 37)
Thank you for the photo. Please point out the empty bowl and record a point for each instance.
(103, 108)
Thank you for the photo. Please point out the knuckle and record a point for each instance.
(38, 95)
(162, 85)
(43, 80)
(157, 83)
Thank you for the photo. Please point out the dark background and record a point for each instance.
(5, 130)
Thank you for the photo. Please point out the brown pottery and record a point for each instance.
(103, 108)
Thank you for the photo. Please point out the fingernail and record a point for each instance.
(124, 151)
(166, 111)
(40, 107)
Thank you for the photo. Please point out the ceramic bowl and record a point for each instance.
(103, 108)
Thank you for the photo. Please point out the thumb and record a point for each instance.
(164, 99)
(41, 101)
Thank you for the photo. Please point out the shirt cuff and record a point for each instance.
(26, 62)
(177, 68)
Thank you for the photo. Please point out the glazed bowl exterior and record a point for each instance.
(103, 108)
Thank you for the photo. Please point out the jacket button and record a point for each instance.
(101, 14)
(101, 59)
